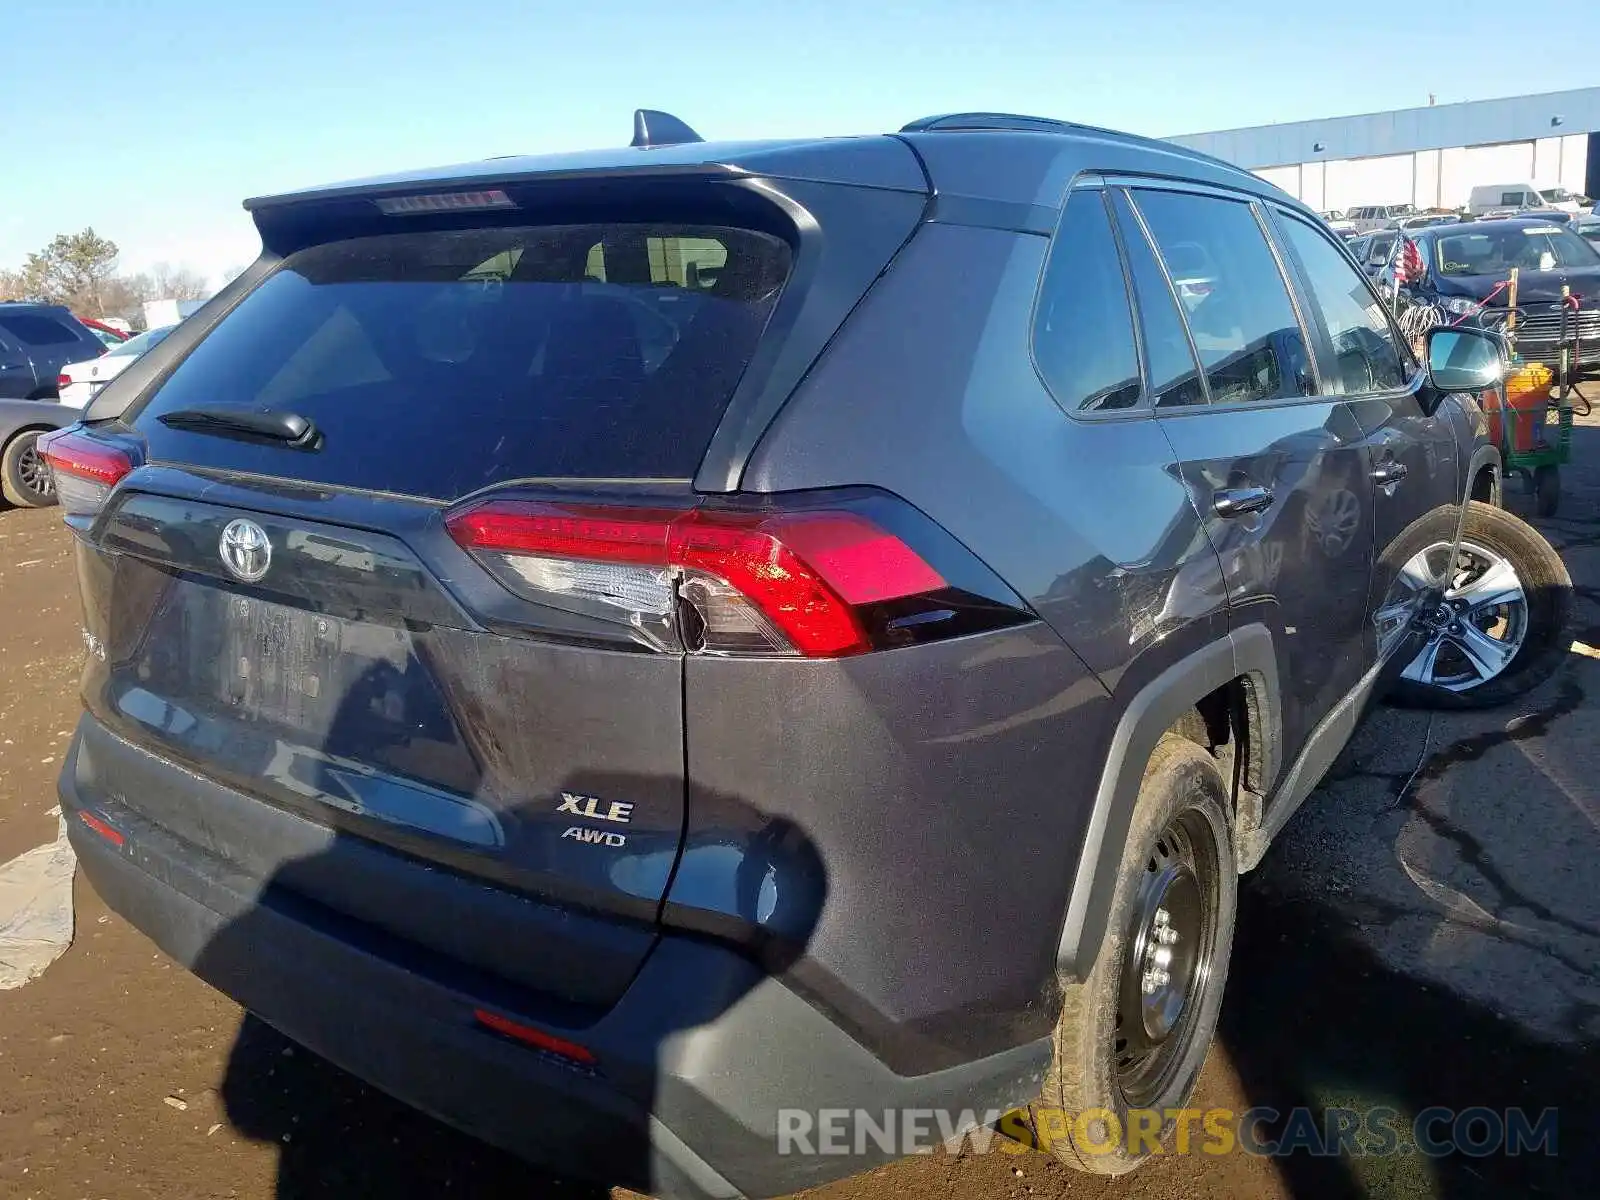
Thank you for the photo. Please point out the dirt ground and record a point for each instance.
(112, 1064)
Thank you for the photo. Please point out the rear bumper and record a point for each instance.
(695, 1061)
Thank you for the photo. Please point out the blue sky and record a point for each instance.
(220, 99)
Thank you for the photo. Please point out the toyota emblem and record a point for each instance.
(245, 550)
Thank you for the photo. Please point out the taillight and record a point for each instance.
(808, 582)
(84, 468)
(63, 380)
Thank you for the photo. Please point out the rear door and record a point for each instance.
(333, 630)
(1275, 468)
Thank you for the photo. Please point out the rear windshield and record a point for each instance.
(435, 363)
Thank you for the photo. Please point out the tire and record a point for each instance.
(1547, 490)
(1545, 625)
(21, 480)
(1183, 797)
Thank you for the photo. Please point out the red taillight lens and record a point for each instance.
(63, 380)
(565, 531)
(790, 583)
(85, 470)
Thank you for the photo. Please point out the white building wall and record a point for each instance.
(1464, 168)
(1357, 181)
(1427, 177)
(1574, 162)
(1311, 185)
(1288, 178)
(1547, 162)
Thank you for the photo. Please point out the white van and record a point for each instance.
(1491, 196)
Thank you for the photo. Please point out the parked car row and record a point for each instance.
(1462, 270)
(1487, 200)
(52, 363)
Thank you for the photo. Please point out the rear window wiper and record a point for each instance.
(285, 428)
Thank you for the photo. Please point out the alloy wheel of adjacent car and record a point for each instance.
(25, 477)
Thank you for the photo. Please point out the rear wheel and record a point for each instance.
(1132, 1037)
(24, 477)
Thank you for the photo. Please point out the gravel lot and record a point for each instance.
(1424, 933)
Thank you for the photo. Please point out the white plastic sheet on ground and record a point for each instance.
(36, 909)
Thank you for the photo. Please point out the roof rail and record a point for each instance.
(989, 120)
(652, 127)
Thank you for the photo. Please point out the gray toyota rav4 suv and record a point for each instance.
(631, 650)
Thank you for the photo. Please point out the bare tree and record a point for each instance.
(168, 282)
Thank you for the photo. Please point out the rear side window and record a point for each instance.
(436, 363)
(1249, 340)
(1367, 357)
(1169, 359)
(1083, 330)
(35, 330)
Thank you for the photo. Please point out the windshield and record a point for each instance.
(1527, 247)
(135, 346)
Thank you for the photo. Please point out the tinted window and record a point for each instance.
(1366, 356)
(37, 330)
(1174, 376)
(1233, 294)
(435, 363)
(1510, 197)
(1083, 332)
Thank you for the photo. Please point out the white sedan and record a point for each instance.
(79, 381)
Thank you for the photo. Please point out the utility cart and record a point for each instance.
(1531, 444)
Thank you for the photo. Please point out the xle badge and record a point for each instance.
(599, 810)
(589, 806)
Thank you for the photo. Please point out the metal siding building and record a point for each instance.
(1431, 157)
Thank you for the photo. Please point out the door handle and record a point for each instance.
(1389, 471)
(1239, 501)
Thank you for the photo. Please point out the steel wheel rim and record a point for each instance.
(1171, 952)
(34, 471)
(1479, 624)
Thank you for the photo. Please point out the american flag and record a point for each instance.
(1407, 263)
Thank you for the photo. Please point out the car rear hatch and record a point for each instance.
(298, 586)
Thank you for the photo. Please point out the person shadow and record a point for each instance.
(337, 1136)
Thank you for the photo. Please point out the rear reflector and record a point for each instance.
(95, 823)
(536, 1038)
(787, 583)
(84, 468)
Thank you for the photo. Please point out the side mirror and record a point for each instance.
(1464, 360)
